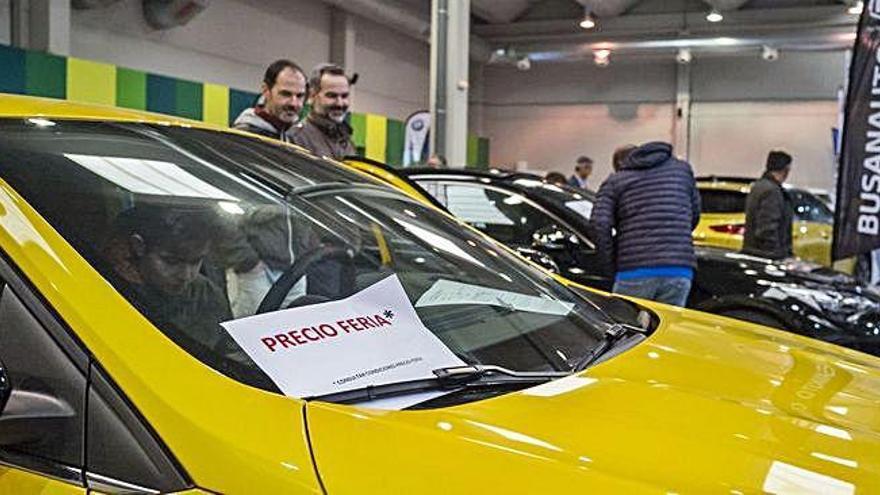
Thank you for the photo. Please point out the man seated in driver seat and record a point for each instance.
(157, 252)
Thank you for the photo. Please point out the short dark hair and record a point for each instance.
(620, 155)
(318, 72)
(584, 160)
(270, 77)
(554, 177)
(175, 227)
(777, 160)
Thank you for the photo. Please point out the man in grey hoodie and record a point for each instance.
(283, 93)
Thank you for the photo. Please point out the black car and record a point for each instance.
(548, 223)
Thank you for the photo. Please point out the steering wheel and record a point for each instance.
(275, 297)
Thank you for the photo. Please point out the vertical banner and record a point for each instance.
(416, 142)
(857, 215)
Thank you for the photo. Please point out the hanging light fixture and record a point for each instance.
(589, 20)
(856, 8)
(714, 15)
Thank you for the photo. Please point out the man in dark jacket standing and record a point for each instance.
(653, 204)
(769, 211)
(325, 131)
(283, 95)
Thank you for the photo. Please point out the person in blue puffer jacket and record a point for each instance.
(642, 222)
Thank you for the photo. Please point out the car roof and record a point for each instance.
(12, 106)
(461, 172)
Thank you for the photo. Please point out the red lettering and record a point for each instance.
(297, 337)
(354, 324)
(382, 321)
(327, 329)
(341, 324)
(311, 331)
(269, 342)
(285, 342)
(366, 323)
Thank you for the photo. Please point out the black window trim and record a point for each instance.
(76, 351)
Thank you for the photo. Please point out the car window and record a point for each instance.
(808, 208)
(48, 388)
(504, 216)
(196, 228)
(721, 201)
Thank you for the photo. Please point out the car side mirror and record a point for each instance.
(28, 416)
(555, 238)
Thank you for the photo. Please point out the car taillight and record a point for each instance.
(730, 228)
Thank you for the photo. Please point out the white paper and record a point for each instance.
(584, 207)
(370, 338)
(446, 292)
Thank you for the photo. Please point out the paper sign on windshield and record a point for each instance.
(370, 338)
(448, 292)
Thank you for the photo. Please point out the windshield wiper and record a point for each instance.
(451, 378)
(613, 334)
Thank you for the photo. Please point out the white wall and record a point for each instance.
(551, 137)
(233, 41)
(742, 107)
(735, 138)
(394, 71)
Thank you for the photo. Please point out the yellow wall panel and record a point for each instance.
(216, 104)
(377, 129)
(91, 82)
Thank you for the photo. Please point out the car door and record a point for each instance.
(65, 427)
(812, 228)
(518, 222)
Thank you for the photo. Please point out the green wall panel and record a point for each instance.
(131, 88)
(161, 94)
(359, 125)
(472, 149)
(12, 70)
(46, 75)
(483, 154)
(239, 101)
(394, 142)
(188, 99)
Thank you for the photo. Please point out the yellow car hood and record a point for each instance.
(705, 405)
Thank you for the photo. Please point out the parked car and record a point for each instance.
(116, 376)
(528, 214)
(723, 220)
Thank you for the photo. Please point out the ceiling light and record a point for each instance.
(589, 20)
(714, 16)
(602, 57)
(856, 8)
(684, 56)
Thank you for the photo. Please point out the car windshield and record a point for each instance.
(200, 228)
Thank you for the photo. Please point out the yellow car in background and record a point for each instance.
(133, 364)
(723, 220)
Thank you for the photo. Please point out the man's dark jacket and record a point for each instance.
(324, 137)
(653, 204)
(769, 215)
(254, 120)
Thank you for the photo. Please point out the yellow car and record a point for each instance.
(193, 310)
(723, 220)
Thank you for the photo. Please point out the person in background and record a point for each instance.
(325, 132)
(620, 155)
(283, 92)
(436, 161)
(582, 170)
(769, 211)
(653, 205)
(555, 178)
